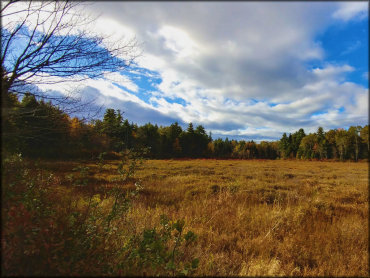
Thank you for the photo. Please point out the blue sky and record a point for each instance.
(245, 70)
(348, 43)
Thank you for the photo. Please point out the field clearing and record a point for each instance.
(257, 217)
(266, 217)
(252, 217)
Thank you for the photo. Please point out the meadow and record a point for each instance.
(194, 217)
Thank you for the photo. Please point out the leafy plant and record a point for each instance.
(81, 176)
(100, 161)
(163, 250)
(47, 232)
(130, 160)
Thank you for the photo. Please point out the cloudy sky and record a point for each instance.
(246, 70)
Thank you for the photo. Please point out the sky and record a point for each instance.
(243, 70)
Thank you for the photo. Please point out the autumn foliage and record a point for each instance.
(38, 129)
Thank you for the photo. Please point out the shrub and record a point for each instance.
(49, 230)
(163, 250)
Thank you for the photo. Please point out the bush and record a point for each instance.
(50, 230)
(163, 251)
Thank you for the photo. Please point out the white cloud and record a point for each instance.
(178, 41)
(365, 75)
(332, 71)
(353, 47)
(122, 80)
(218, 56)
(352, 10)
(45, 16)
(238, 66)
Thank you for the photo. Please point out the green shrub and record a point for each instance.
(163, 250)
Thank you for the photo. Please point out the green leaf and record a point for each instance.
(179, 225)
(195, 263)
(164, 219)
(190, 236)
(170, 265)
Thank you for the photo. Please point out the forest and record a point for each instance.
(38, 129)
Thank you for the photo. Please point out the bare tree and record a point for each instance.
(51, 42)
(48, 42)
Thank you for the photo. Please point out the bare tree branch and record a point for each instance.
(43, 43)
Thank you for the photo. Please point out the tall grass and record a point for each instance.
(238, 217)
(66, 224)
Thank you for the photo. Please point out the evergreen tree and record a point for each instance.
(296, 141)
(284, 146)
(112, 126)
(321, 148)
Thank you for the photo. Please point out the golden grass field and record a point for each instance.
(252, 217)
(261, 217)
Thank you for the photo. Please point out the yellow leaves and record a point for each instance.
(75, 127)
(96, 198)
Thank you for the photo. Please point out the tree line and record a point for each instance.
(339, 144)
(37, 128)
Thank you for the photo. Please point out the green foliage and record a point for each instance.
(296, 141)
(307, 146)
(333, 144)
(112, 126)
(34, 128)
(169, 141)
(100, 161)
(222, 149)
(284, 146)
(194, 142)
(342, 142)
(163, 249)
(148, 136)
(80, 178)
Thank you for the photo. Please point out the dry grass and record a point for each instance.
(265, 217)
(253, 217)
